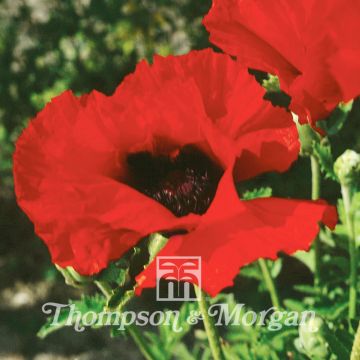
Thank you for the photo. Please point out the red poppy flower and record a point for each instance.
(313, 46)
(97, 174)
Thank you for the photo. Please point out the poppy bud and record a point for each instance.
(347, 167)
(311, 340)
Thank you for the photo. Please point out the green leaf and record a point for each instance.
(84, 305)
(157, 346)
(307, 258)
(114, 274)
(251, 271)
(49, 328)
(322, 151)
(336, 120)
(336, 345)
(155, 244)
(275, 267)
(332, 312)
(119, 271)
(262, 192)
(271, 84)
(119, 299)
(294, 305)
(338, 262)
(169, 338)
(308, 289)
(181, 352)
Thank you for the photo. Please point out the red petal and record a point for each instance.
(89, 246)
(231, 99)
(257, 32)
(235, 233)
(312, 45)
(259, 129)
(213, 75)
(70, 168)
(64, 185)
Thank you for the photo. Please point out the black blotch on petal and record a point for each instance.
(184, 184)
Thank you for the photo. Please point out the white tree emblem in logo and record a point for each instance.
(175, 275)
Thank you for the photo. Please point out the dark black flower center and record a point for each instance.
(185, 183)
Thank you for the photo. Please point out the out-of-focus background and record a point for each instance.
(47, 46)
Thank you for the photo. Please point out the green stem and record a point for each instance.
(315, 195)
(136, 335)
(105, 288)
(211, 331)
(347, 199)
(355, 352)
(269, 283)
(140, 342)
(315, 177)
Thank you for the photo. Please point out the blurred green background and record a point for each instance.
(47, 46)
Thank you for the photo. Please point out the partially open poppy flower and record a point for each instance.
(96, 174)
(312, 45)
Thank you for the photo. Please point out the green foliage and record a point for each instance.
(257, 193)
(84, 305)
(323, 343)
(242, 341)
(322, 151)
(115, 273)
(253, 271)
(155, 244)
(336, 120)
(271, 84)
(119, 299)
(166, 341)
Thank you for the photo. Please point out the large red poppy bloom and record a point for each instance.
(312, 45)
(97, 174)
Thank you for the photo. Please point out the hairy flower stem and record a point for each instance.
(269, 283)
(347, 199)
(355, 352)
(315, 195)
(105, 288)
(136, 335)
(211, 331)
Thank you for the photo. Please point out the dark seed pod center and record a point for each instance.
(185, 183)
